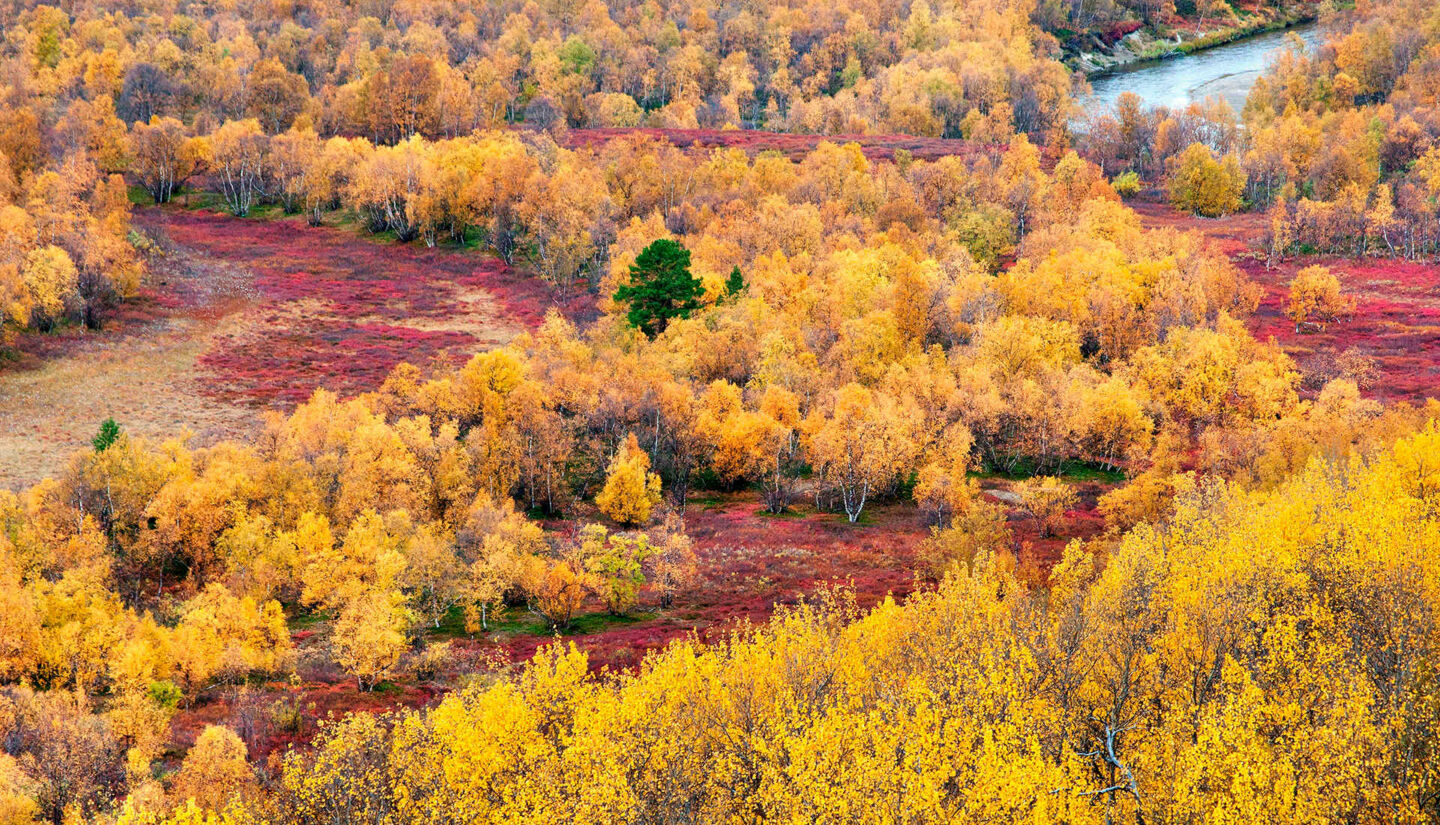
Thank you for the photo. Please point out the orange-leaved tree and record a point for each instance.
(631, 491)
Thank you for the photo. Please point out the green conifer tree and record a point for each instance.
(108, 435)
(735, 284)
(661, 287)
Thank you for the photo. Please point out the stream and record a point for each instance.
(1226, 71)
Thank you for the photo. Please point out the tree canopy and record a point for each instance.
(660, 288)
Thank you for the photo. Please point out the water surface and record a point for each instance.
(1225, 71)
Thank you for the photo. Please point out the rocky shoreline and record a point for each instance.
(1092, 56)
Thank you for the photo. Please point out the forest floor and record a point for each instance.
(1394, 331)
(238, 316)
(749, 564)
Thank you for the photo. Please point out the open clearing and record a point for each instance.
(243, 315)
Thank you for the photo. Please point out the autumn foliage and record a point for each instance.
(1169, 647)
(1143, 565)
(631, 491)
(1205, 185)
(1315, 297)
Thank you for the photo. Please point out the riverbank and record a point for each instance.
(1224, 71)
(1145, 46)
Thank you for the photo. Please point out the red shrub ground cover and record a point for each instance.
(338, 311)
(245, 313)
(749, 563)
(1112, 32)
(1397, 305)
(1036, 554)
(1396, 322)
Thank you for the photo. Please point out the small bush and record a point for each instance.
(430, 662)
(979, 530)
(1126, 184)
(1315, 298)
(1205, 185)
(165, 694)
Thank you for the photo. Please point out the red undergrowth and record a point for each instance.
(335, 310)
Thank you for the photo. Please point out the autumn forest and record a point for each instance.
(701, 411)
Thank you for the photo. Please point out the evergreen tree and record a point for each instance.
(108, 435)
(660, 288)
(735, 284)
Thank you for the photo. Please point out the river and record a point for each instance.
(1226, 71)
